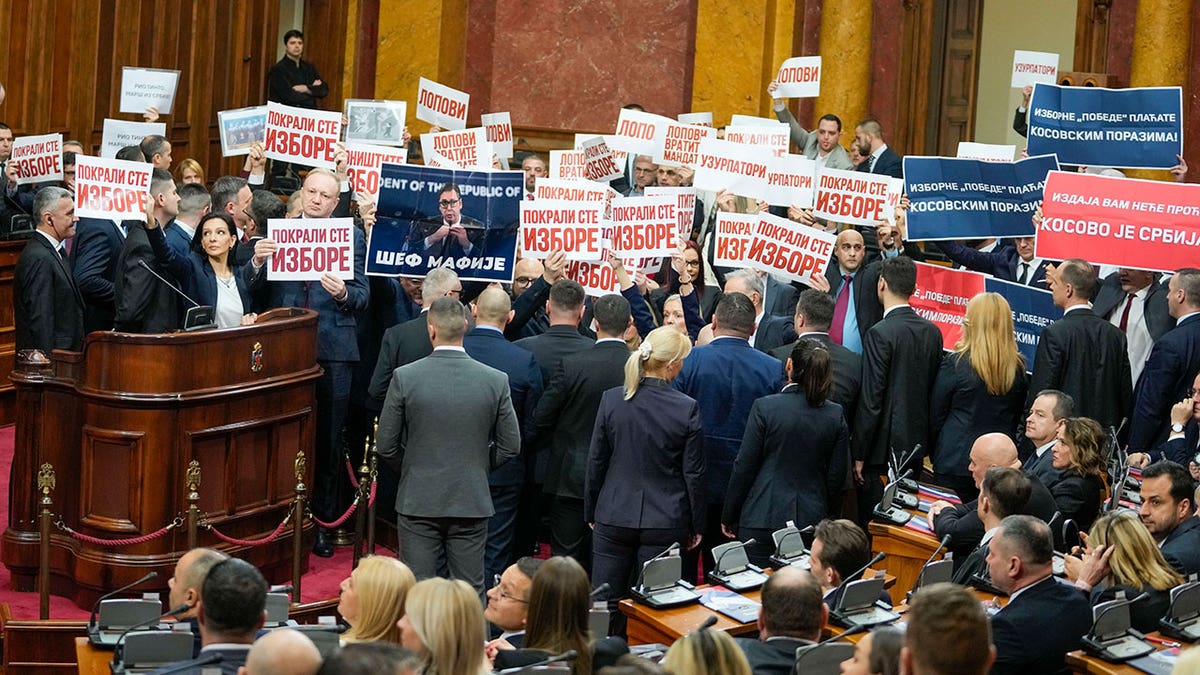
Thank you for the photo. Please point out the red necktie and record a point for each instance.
(1125, 314)
(839, 310)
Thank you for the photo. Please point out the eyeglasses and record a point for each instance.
(524, 281)
(504, 594)
(1192, 392)
(455, 292)
(692, 263)
(446, 203)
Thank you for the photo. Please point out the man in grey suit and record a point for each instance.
(822, 144)
(447, 421)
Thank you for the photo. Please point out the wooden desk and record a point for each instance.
(92, 661)
(906, 549)
(1080, 662)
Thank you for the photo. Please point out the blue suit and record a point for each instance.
(179, 241)
(1001, 263)
(97, 247)
(196, 275)
(1168, 374)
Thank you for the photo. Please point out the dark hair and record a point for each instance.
(265, 206)
(1188, 279)
(370, 658)
(948, 631)
(1080, 274)
(844, 546)
(1064, 403)
(812, 370)
(791, 605)
(900, 273)
(1030, 537)
(611, 313)
(68, 158)
(558, 611)
(131, 153)
(293, 33)
(735, 313)
(450, 186)
(198, 237)
(449, 316)
(193, 198)
(1007, 489)
(816, 308)
(152, 145)
(5, 126)
(529, 565)
(157, 178)
(1181, 479)
(566, 295)
(233, 597)
(831, 118)
(225, 190)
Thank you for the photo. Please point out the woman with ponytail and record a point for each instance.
(794, 456)
(644, 488)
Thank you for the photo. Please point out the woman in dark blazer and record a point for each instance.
(1079, 490)
(980, 389)
(209, 275)
(644, 488)
(794, 456)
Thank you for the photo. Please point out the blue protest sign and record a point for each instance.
(952, 198)
(1139, 128)
(1032, 310)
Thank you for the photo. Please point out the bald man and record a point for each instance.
(183, 588)
(852, 284)
(525, 274)
(962, 522)
(282, 652)
(792, 615)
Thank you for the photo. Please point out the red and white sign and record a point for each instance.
(788, 249)
(37, 158)
(636, 131)
(549, 225)
(941, 297)
(1034, 67)
(685, 209)
(734, 233)
(774, 138)
(1126, 222)
(703, 119)
(790, 181)
(741, 169)
(678, 144)
(442, 106)
(799, 77)
(987, 152)
(364, 164)
(308, 248)
(599, 163)
(499, 133)
(643, 226)
(568, 164)
(852, 197)
(598, 278)
(466, 149)
(111, 189)
(302, 136)
(572, 190)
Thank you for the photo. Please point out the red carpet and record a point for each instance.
(321, 582)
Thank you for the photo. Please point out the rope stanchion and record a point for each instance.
(193, 513)
(96, 541)
(252, 542)
(361, 486)
(298, 506)
(46, 483)
(340, 521)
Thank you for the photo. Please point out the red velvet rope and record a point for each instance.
(87, 539)
(251, 542)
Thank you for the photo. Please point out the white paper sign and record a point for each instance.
(852, 197)
(635, 131)
(644, 226)
(549, 225)
(799, 77)
(111, 189)
(1033, 67)
(734, 233)
(988, 152)
(703, 119)
(302, 136)
(143, 88)
(599, 163)
(308, 248)
(37, 158)
(752, 121)
(241, 129)
(739, 168)
(466, 149)
(120, 133)
(790, 181)
(375, 122)
(570, 164)
(685, 206)
(442, 106)
(895, 192)
(789, 249)
(678, 144)
(364, 164)
(499, 133)
(775, 138)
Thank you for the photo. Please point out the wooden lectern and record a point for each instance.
(120, 422)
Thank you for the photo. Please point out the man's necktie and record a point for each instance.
(871, 164)
(1124, 325)
(1024, 278)
(839, 310)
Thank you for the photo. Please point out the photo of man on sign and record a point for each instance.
(450, 233)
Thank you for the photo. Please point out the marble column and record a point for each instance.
(424, 38)
(739, 47)
(845, 61)
(1161, 44)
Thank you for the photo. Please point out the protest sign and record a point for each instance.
(411, 235)
(111, 189)
(895, 192)
(799, 77)
(774, 138)
(734, 232)
(37, 158)
(685, 206)
(851, 197)
(789, 249)
(308, 248)
(644, 226)
(703, 119)
(549, 225)
(568, 164)
(442, 106)
(1142, 224)
(739, 168)
(988, 152)
(1139, 128)
(120, 133)
(143, 88)
(363, 164)
(572, 190)
(465, 149)
(953, 198)
(241, 129)
(375, 122)
(1034, 68)
(751, 121)
(598, 278)
(302, 136)
(599, 164)
(499, 133)
(790, 181)
(677, 144)
(636, 131)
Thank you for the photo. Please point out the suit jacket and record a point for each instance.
(1001, 262)
(1085, 356)
(806, 141)
(1180, 450)
(1110, 298)
(963, 410)
(974, 564)
(1042, 467)
(526, 307)
(97, 246)
(1168, 374)
(792, 463)
(847, 371)
(566, 415)
(444, 466)
(889, 163)
(476, 234)
(1035, 630)
(901, 355)
(780, 299)
(552, 346)
(867, 307)
(1181, 548)
(645, 466)
(402, 344)
(489, 347)
(144, 303)
(725, 377)
(776, 656)
(1078, 497)
(227, 661)
(773, 332)
(47, 308)
(181, 243)
(966, 530)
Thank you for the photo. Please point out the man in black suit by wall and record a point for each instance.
(407, 342)
(814, 313)
(144, 303)
(47, 306)
(792, 616)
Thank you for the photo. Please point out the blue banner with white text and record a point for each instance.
(1032, 310)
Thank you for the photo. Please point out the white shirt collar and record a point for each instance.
(1186, 316)
(54, 243)
(599, 340)
(449, 348)
(987, 536)
(889, 310)
(1072, 308)
(879, 152)
(1013, 596)
(1042, 449)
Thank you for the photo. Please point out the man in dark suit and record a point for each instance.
(947, 633)
(1011, 263)
(770, 331)
(144, 303)
(47, 306)
(1082, 354)
(1044, 618)
(779, 299)
(1174, 359)
(814, 313)
(525, 273)
(565, 418)
(852, 286)
(194, 204)
(725, 377)
(839, 549)
(1135, 302)
(791, 616)
(443, 503)
(901, 356)
(1183, 445)
(485, 343)
(1168, 511)
(94, 253)
(409, 341)
(450, 233)
(1050, 407)
(1003, 492)
(881, 159)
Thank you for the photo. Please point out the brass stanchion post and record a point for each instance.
(373, 450)
(193, 498)
(364, 494)
(298, 524)
(46, 484)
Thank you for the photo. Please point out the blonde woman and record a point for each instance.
(1078, 488)
(644, 487)
(980, 389)
(1122, 557)
(706, 652)
(372, 599)
(443, 623)
(189, 171)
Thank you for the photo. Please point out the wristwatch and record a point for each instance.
(1177, 428)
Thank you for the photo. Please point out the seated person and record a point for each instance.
(1121, 556)
(370, 658)
(705, 652)
(508, 601)
(444, 625)
(792, 615)
(1079, 488)
(877, 653)
(947, 633)
(1003, 493)
(840, 548)
(283, 650)
(372, 599)
(1168, 511)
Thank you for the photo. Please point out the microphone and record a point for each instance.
(945, 541)
(163, 279)
(118, 650)
(642, 574)
(784, 538)
(282, 588)
(106, 596)
(565, 656)
(717, 564)
(598, 590)
(878, 556)
(708, 623)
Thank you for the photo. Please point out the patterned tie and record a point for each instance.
(839, 310)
